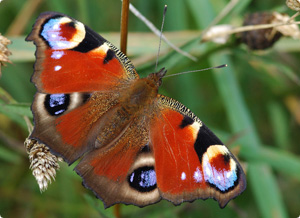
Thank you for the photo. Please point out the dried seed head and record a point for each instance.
(293, 4)
(4, 52)
(290, 30)
(263, 38)
(214, 30)
(42, 162)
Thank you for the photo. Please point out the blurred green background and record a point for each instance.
(253, 105)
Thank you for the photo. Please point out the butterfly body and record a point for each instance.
(135, 146)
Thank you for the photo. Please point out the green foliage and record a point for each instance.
(250, 104)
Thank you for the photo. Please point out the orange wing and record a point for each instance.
(73, 58)
(190, 161)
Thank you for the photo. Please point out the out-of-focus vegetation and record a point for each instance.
(253, 105)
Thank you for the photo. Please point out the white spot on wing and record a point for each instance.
(57, 68)
(57, 54)
(62, 44)
(197, 176)
(183, 176)
(56, 27)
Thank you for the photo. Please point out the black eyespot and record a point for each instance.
(143, 179)
(56, 104)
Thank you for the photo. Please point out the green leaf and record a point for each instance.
(95, 203)
(16, 112)
(280, 125)
(9, 156)
(266, 190)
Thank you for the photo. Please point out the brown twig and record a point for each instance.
(117, 210)
(124, 26)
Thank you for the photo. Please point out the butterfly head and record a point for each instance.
(157, 77)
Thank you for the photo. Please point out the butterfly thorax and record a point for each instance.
(142, 92)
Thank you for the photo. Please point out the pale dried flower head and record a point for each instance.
(4, 52)
(42, 162)
(215, 30)
(291, 30)
(293, 4)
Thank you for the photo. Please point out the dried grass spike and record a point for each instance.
(42, 163)
(4, 52)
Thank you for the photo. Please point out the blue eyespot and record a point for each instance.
(143, 179)
(57, 104)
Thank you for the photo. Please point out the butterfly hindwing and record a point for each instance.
(124, 172)
(190, 161)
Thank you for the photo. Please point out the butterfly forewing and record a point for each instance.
(73, 58)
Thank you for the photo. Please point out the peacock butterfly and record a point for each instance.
(135, 146)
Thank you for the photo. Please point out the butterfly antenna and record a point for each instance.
(160, 38)
(192, 71)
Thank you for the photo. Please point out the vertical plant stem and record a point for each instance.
(124, 26)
